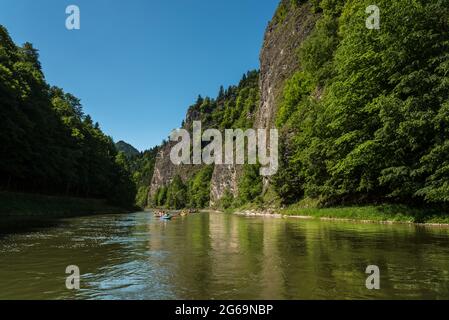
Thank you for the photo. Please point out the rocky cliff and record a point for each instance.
(291, 24)
(289, 27)
(165, 170)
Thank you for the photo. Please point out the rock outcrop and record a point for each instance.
(278, 61)
(290, 26)
(164, 169)
(225, 177)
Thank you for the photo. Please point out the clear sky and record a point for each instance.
(137, 65)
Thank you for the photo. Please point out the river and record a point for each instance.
(219, 256)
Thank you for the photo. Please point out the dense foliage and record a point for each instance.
(127, 149)
(250, 186)
(199, 188)
(367, 116)
(48, 145)
(364, 119)
(233, 108)
(141, 166)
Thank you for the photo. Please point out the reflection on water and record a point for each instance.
(217, 256)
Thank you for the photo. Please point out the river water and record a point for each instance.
(219, 256)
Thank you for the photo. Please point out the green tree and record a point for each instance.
(199, 188)
(176, 194)
(47, 144)
(250, 184)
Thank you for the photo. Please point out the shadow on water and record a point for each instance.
(218, 256)
(12, 226)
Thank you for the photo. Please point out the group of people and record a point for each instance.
(165, 214)
(187, 212)
(162, 214)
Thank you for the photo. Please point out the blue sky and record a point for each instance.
(137, 65)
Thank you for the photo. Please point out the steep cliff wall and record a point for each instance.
(165, 170)
(291, 24)
(289, 27)
(225, 177)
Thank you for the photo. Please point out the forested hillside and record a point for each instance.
(363, 118)
(127, 149)
(47, 144)
(234, 107)
(141, 166)
(366, 117)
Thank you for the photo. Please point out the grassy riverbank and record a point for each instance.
(394, 213)
(18, 208)
(377, 213)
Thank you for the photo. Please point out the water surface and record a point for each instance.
(218, 256)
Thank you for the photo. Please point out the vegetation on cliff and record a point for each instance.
(141, 167)
(365, 119)
(233, 108)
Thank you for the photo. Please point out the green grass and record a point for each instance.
(378, 213)
(25, 207)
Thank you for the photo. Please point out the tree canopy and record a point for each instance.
(47, 143)
(366, 117)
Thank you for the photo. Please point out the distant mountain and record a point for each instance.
(127, 149)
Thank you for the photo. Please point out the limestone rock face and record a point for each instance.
(164, 169)
(278, 61)
(225, 177)
(279, 56)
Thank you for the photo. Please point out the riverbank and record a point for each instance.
(385, 214)
(19, 208)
